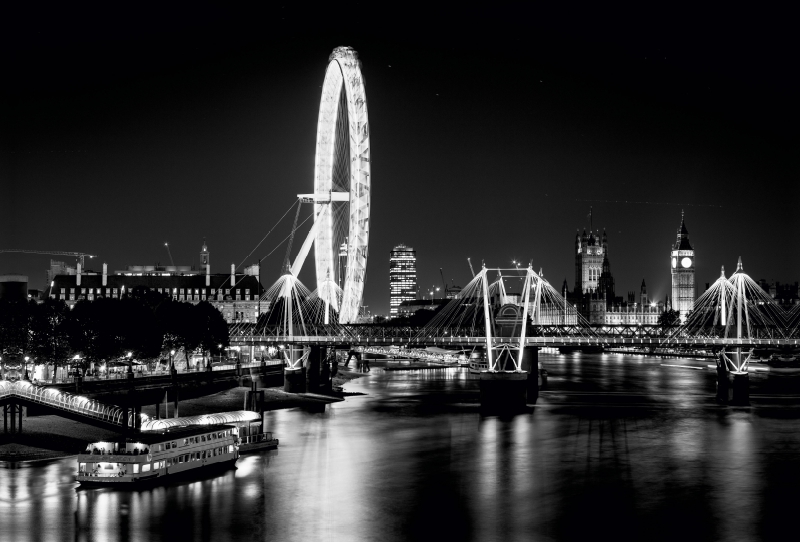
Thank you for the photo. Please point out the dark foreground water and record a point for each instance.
(616, 449)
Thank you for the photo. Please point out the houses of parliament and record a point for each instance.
(594, 292)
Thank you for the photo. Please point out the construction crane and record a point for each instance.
(470, 266)
(79, 255)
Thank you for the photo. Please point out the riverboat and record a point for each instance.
(159, 456)
(477, 363)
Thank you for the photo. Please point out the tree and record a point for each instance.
(139, 327)
(213, 329)
(669, 318)
(180, 325)
(14, 327)
(83, 331)
(49, 333)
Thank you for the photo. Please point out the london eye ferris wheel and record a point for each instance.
(341, 195)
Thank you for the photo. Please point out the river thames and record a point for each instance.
(617, 448)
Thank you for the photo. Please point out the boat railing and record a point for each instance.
(254, 439)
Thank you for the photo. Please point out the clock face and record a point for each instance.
(686, 262)
(674, 263)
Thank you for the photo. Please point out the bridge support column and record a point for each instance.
(503, 392)
(723, 381)
(530, 364)
(325, 377)
(12, 411)
(176, 389)
(294, 378)
(315, 358)
(741, 390)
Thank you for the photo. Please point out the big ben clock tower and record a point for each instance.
(682, 262)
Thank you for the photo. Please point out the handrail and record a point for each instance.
(65, 401)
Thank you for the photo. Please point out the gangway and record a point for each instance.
(64, 404)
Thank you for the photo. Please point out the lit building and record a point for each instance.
(785, 295)
(402, 277)
(589, 254)
(236, 296)
(682, 261)
(594, 295)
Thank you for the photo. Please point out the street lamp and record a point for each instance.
(172, 361)
(26, 368)
(130, 363)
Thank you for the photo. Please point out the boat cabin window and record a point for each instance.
(146, 467)
(174, 444)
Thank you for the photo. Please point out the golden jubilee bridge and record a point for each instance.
(734, 313)
(732, 320)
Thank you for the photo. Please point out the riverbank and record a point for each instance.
(50, 437)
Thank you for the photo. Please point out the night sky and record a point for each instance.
(493, 131)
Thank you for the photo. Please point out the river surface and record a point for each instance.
(617, 448)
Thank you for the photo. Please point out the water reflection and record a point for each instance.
(414, 459)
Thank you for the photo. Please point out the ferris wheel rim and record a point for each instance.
(343, 75)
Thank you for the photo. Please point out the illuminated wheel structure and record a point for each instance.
(342, 186)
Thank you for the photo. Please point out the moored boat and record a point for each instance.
(259, 441)
(477, 363)
(155, 457)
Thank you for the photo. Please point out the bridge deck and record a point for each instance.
(666, 342)
(63, 403)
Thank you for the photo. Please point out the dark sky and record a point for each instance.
(492, 131)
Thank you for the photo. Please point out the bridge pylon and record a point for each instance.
(742, 309)
(511, 380)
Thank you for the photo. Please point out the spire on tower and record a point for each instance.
(682, 243)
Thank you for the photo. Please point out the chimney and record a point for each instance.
(233, 274)
(105, 274)
(78, 278)
(208, 276)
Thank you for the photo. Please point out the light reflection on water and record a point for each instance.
(414, 459)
